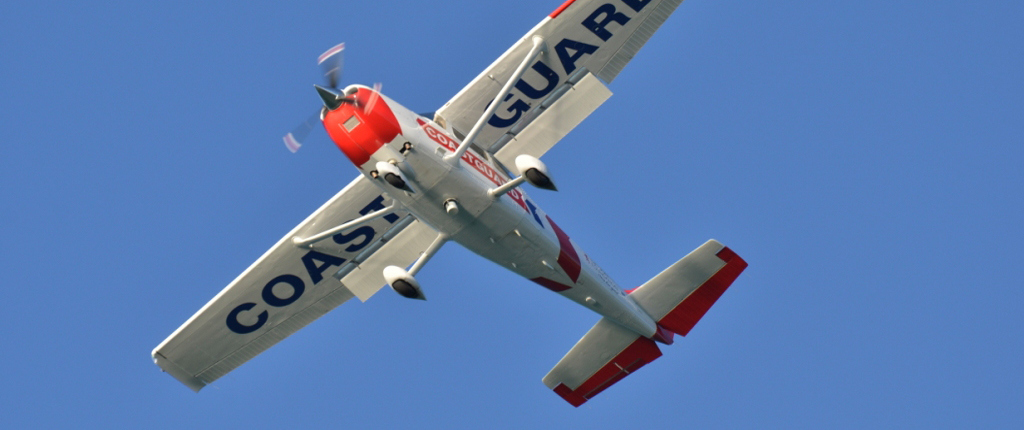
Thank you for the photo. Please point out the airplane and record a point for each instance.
(455, 177)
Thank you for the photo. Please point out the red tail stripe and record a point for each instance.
(635, 356)
(682, 319)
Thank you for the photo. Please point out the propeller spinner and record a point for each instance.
(332, 64)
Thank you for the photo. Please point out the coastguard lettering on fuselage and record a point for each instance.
(602, 24)
(315, 263)
(476, 162)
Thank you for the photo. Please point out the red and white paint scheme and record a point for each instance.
(456, 177)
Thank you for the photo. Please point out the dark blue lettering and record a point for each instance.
(637, 5)
(297, 288)
(517, 110)
(366, 232)
(316, 271)
(550, 75)
(240, 328)
(376, 205)
(599, 28)
(579, 50)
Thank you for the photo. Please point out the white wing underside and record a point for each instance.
(205, 348)
(578, 92)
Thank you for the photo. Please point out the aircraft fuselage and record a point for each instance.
(510, 230)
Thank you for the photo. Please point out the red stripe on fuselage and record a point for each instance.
(551, 285)
(567, 256)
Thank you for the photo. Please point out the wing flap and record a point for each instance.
(605, 355)
(400, 250)
(554, 120)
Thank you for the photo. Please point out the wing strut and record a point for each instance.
(428, 253)
(538, 47)
(307, 242)
(404, 281)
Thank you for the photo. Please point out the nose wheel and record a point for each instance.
(392, 175)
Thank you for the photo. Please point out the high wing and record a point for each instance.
(292, 285)
(585, 42)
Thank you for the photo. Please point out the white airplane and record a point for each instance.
(424, 182)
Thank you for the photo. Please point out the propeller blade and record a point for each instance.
(374, 97)
(332, 63)
(293, 140)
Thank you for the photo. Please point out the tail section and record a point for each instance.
(606, 354)
(677, 298)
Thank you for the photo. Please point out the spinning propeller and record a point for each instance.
(332, 63)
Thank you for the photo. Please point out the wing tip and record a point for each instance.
(570, 396)
(687, 313)
(638, 354)
(560, 9)
(190, 381)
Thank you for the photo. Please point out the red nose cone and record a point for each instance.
(359, 133)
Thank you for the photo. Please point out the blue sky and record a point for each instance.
(865, 158)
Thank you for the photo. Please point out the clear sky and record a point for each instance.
(864, 157)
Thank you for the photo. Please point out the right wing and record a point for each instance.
(290, 286)
(594, 38)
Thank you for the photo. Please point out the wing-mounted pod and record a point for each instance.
(535, 172)
(403, 283)
(531, 170)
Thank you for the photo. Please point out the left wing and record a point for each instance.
(582, 38)
(290, 286)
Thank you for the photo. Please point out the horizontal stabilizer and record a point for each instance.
(680, 296)
(606, 354)
(676, 298)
